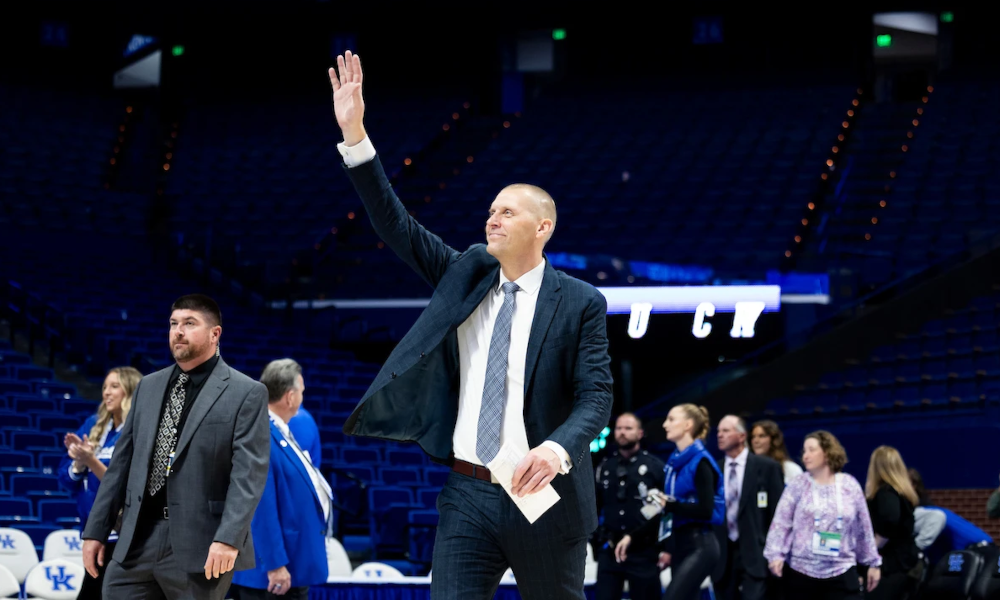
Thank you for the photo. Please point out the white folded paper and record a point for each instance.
(532, 506)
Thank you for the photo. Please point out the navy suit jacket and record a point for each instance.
(762, 475)
(567, 388)
(288, 528)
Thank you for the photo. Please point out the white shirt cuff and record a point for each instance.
(357, 154)
(565, 464)
(76, 475)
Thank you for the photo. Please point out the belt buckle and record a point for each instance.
(166, 513)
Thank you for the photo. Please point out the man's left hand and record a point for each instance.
(539, 467)
(221, 559)
(279, 581)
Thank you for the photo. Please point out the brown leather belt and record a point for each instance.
(470, 470)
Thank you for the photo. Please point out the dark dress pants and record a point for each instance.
(736, 583)
(696, 552)
(639, 569)
(842, 587)
(481, 533)
(150, 571)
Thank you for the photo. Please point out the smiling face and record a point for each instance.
(760, 441)
(519, 224)
(113, 394)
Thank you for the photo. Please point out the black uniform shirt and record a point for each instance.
(622, 483)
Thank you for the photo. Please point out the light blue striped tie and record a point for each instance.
(491, 411)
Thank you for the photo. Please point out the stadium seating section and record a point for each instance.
(55, 149)
(266, 181)
(688, 178)
(939, 192)
(952, 362)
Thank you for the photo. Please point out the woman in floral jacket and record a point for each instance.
(822, 529)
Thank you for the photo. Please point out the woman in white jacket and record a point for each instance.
(766, 438)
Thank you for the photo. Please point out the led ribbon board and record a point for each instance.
(747, 301)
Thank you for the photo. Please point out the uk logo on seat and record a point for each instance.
(7, 543)
(73, 543)
(955, 562)
(59, 578)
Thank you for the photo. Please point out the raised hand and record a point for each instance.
(70, 439)
(348, 102)
(82, 452)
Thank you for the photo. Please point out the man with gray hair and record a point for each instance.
(291, 538)
(753, 484)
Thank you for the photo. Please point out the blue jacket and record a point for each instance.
(306, 433)
(680, 470)
(83, 487)
(959, 532)
(288, 527)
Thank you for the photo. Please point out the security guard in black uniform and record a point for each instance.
(624, 478)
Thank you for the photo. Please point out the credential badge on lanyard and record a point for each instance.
(667, 521)
(827, 543)
(173, 453)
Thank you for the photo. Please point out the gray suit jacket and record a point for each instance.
(567, 374)
(217, 478)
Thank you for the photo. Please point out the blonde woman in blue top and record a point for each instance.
(693, 503)
(89, 452)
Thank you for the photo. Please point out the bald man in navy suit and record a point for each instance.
(509, 351)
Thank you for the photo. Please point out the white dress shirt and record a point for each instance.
(741, 468)
(320, 486)
(474, 337)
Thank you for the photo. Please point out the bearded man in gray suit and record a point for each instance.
(187, 472)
